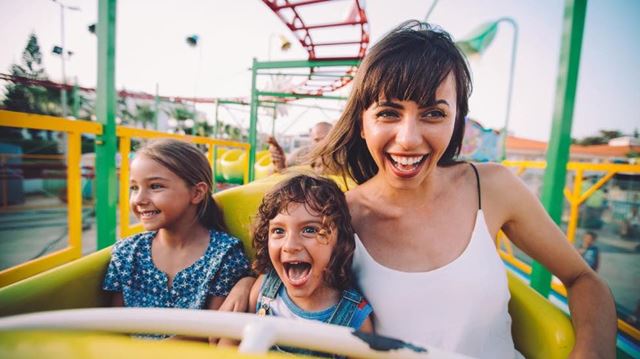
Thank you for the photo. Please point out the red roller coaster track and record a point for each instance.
(293, 14)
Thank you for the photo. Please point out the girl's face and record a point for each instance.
(158, 197)
(299, 251)
(407, 139)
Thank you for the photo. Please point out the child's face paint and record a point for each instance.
(158, 197)
(300, 248)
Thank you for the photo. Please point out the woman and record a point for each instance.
(426, 223)
(425, 253)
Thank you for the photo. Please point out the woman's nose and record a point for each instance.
(408, 135)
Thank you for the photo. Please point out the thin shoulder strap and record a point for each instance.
(475, 170)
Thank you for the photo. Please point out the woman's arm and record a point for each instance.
(238, 298)
(253, 295)
(241, 296)
(528, 226)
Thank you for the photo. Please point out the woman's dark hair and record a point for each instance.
(409, 63)
(323, 197)
(190, 164)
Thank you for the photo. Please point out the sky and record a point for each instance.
(151, 49)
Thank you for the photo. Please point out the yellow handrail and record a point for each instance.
(73, 129)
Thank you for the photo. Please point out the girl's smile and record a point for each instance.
(300, 248)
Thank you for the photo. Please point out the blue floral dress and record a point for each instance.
(132, 272)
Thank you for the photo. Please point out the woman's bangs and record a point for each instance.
(405, 78)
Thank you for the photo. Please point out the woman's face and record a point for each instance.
(407, 139)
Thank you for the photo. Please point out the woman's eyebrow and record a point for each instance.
(390, 104)
(437, 102)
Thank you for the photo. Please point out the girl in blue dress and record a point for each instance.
(184, 259)
(304, 248)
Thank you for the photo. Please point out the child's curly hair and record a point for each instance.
(319, 195)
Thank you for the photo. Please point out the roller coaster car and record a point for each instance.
(540, 330)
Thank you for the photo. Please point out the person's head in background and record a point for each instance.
(319, 131)
(588, 239)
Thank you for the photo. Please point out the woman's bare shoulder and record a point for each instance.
(495, 177)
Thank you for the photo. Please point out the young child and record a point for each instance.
(304, 249)
(589, 251)
(184, 259)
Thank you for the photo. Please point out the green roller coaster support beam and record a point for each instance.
(253, 116)
(75, 99)
(106, 196)
(338, 76)
(255, 93)
(263, 65)
(297, 95)
(559, 144)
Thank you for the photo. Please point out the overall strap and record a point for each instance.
(346, 308)
(268, 292)
(475, 170)
(271, 285)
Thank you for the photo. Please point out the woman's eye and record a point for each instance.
(133, 188)
(387, 114)
(434, 115)
(155, 186)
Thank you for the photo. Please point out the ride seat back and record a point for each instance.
(540, 329)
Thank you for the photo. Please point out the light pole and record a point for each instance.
(63, 92)
(193, 41)
(477, 43)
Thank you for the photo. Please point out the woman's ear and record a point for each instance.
(199, 192)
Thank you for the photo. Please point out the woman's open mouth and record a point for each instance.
(406, 166)
(297, 272)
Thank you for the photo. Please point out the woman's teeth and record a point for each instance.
(407, 161)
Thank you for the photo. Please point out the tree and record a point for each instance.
(145, 114)
(30, 98)
(602, 139)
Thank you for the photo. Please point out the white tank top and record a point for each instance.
(460, 307)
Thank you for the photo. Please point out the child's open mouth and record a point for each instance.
(297, 272)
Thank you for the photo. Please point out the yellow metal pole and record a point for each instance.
(574, 201)
(125, 145)
(74, 195)
(596, 186)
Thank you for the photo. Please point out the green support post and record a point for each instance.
(559, 144)
(106, 182)
(75, 98)
(253, 126)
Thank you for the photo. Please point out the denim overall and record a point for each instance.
(342, 315)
